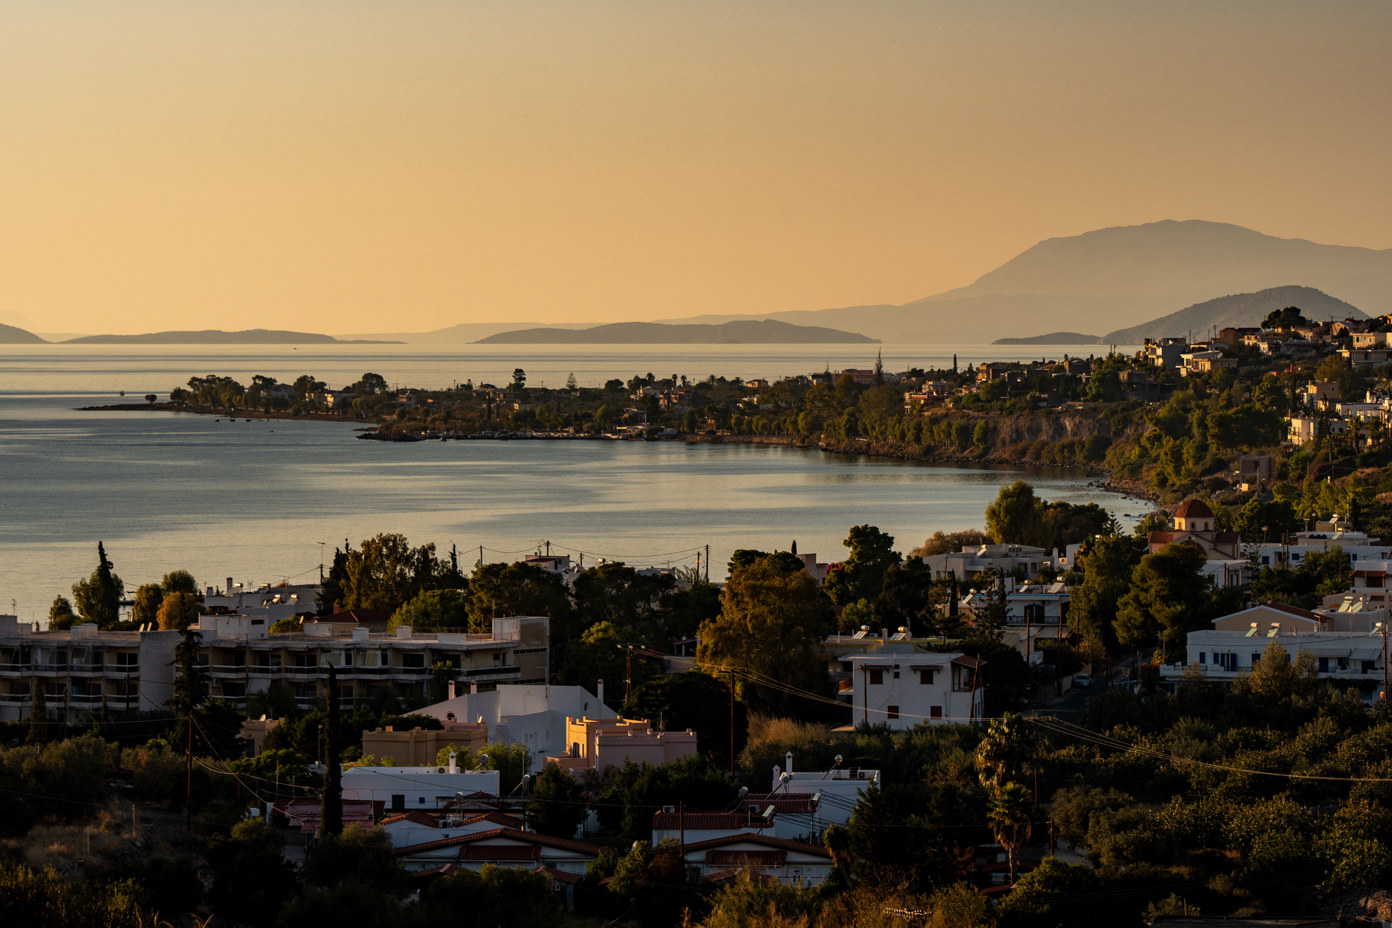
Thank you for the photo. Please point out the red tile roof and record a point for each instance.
(505, 835)
(784, 803)
(706, 821)
(420, 818)
(761, 839)
(1295, 611)
(1193, 509)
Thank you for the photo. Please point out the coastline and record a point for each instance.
(1102, 478)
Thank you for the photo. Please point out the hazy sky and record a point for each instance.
(347, 167)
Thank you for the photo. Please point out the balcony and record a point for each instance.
(365, 671)
(505, 670)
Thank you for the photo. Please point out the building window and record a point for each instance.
(1324, 665)
(892, 712)
(925, 677)
(935, 712)
(1203, 657)
(876, 677)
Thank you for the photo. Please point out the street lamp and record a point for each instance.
(1381, 627)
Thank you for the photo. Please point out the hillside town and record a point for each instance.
(993, 727)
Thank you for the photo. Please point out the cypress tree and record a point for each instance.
(331, 809)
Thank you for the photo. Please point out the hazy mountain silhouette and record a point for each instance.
(217, 337)
(14, 335)
(1203, 319)
(1119, 277)
(1238, 309)
(740, 332)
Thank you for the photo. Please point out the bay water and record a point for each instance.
(264, 500)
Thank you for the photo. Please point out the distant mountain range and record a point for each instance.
(1110, 279)
(742, 332)
(1202, 319)
(1127, 281)
(219, 337)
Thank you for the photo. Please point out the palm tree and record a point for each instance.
(1009, 816)
(1006, 751)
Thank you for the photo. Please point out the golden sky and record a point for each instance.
(351, 167)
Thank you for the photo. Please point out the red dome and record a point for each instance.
(1193, 509)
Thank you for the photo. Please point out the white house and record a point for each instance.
(1002, 559)
(1292, 549)
(503, 847)
(690, 827)
(1234, 646)
(1034, 613)
(401, 789)
(527, 714)
(790, 862)
(415, 827)
(836, 790)
(905, 688)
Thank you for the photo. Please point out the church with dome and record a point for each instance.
(1195, 526)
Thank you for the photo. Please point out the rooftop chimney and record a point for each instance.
(599, 690)
(451, 689)
(788, 759)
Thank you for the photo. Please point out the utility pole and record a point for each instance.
(732, 721)
(188, 773)
(628, 672)
(708, 563)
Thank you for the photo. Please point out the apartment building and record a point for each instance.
(82, 669)
(243, 659)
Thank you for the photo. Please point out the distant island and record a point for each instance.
(741, 332)
(1050, 338)
(219, 337)
(14, 335)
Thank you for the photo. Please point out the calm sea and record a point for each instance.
(254, 500)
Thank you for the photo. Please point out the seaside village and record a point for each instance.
(443, 813)
(445, 806)
(671, 407)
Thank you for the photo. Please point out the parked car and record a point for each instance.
(1082, 680)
